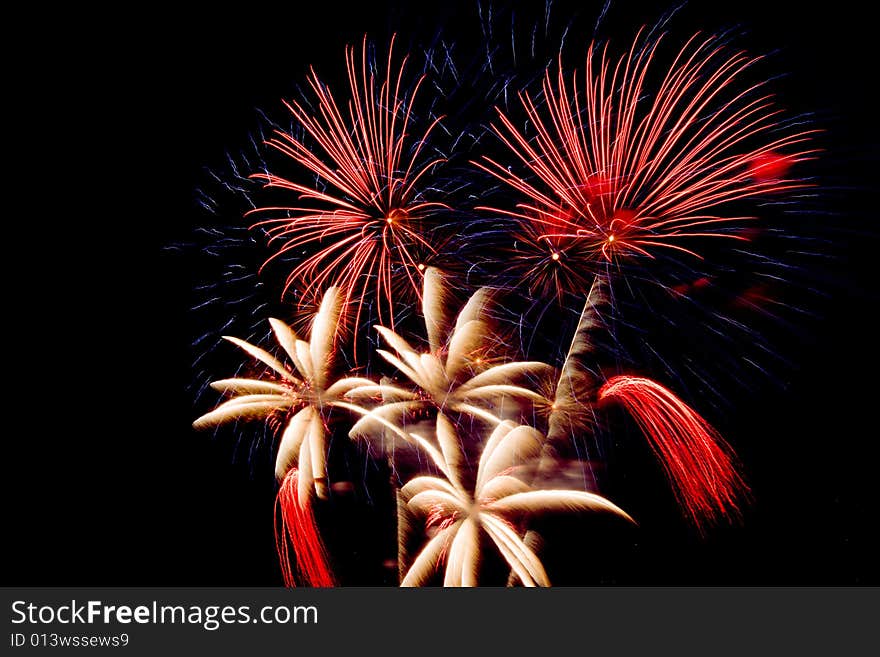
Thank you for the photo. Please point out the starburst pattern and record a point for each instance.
(619, 168)
(366, 222)
(304, 396)
(493, 505)
(454, 375)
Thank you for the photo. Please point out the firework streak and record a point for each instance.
(696, 459)
(297, 527)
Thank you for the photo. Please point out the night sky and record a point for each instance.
(110, 486)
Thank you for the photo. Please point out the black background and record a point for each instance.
(107, 484)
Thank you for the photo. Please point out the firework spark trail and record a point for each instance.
(367, 222)
(698, 462)
(570, 404)
(618, 171)
(571, 412)
(295, 525)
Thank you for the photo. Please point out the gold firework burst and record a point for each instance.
(303, 394)
(493, 506)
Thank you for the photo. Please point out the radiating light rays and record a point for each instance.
(454, 375)
(623, 163)
(365, 226)
(549, 264)
(493, 505)
(303, 394)
(300, 399)
(459, 395)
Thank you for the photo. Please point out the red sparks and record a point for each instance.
(297, 528)
(770, 166)
(364, 222)
(617, 169)
(549, 264)
(697, 461)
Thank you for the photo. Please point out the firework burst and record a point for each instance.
(619, 166)
(493, 505)
(301, 398)
(304, 395)
(456, 374)
(365, 226)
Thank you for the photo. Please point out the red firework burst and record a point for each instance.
(618, 170)
(364, 222)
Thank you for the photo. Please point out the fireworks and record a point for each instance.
(365, 221)
(304, 397)
(624, 160)
(697, 460)
(455, 375)
(618, 167)
(497, 500)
